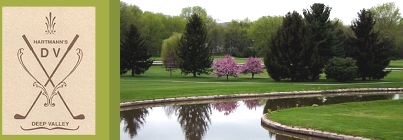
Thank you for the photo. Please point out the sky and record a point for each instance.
(227, 10)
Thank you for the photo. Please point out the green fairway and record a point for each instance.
(396, 64)
(156, 84)
(238, 60)
(373, 119)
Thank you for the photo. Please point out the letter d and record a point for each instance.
(44, 50)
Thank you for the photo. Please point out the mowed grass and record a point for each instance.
(156, 84)
(373, 119)
(238, 60)
(392, 64)
(396, 64)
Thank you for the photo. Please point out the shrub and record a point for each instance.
(341, 69)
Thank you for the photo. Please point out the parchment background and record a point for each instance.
(18, 92)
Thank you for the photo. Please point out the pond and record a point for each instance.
(221, 120)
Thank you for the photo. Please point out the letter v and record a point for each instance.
(56, 53)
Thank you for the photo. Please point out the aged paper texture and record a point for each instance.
(48, 67)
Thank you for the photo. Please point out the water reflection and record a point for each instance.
(252, 104)
(220, 120)
(276, 104)
(226, 107)
(194, 119)
(133, 120)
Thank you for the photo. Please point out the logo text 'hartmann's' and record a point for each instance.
(51, 41)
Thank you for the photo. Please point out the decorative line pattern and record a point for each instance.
(54, 128)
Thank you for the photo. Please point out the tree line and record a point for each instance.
(293, 47)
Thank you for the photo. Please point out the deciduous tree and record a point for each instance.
(169, 57)
(154, 31)
(129, 14)
(218, 38)
(225, 67)
(252, 65)
(187, 12)
(237, 41)
(389, 23)
(261, 31)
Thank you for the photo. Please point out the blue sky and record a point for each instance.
(225, 11)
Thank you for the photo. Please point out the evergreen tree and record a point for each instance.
(193, 50)
(322, 30)
(291, 53)
(368, 48)
(133, 53)
(340, 41)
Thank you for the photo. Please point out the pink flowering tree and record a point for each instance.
(226, 107)
(225, 67)
(252, 104)
(170, 62)
(252, 65)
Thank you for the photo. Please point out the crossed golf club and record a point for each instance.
(55, 88)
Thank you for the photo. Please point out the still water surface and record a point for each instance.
(222, 120)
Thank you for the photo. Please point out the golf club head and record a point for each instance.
(79, 117)
(18, 116)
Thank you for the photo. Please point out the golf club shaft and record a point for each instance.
(31, 106)
(74, 117)
(61, 60)
(37, 59)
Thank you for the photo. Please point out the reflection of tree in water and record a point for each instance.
(194, 119)
(252, 104)
(133, 120)
(274, 104)
(227, 107)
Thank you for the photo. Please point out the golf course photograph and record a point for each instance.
(305, 73)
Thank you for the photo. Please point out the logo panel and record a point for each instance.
(48, 66)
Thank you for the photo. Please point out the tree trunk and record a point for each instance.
(194, 74)
(132, 71)
(253, 74)
(227, 77)
(170, 73)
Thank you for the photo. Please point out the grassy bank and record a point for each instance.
(238, 60)
(393, 64)
(374, 119)
(396, 64)
(156, 83)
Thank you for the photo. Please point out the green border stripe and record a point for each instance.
(114, 69)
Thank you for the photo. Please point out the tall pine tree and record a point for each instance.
(371, 50)
(322, 30)
(341, 40)
(193, 50)
(133, 54)
(291, 54)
